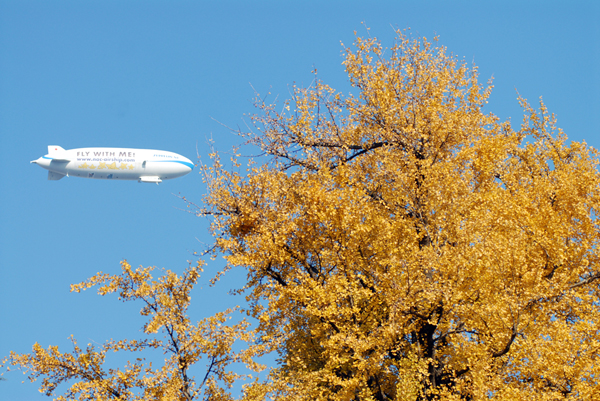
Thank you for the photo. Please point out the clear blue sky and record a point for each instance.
(159, 75)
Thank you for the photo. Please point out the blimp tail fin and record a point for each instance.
(58, 153)
(52, 176)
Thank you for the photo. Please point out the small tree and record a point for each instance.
(400, 243)
(185, 344)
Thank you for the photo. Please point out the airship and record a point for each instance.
(143, 165)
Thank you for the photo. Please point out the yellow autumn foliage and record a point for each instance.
(190, 348)
(402, 244)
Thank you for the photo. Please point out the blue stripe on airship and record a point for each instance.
(190, 165)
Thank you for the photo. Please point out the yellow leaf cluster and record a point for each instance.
(204, 348)
(400, 243)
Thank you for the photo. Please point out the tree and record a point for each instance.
(400, 243)
(185, 344)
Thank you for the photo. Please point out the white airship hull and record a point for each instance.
(142, 165)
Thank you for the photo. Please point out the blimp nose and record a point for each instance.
(184, 166)
(188, 164)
